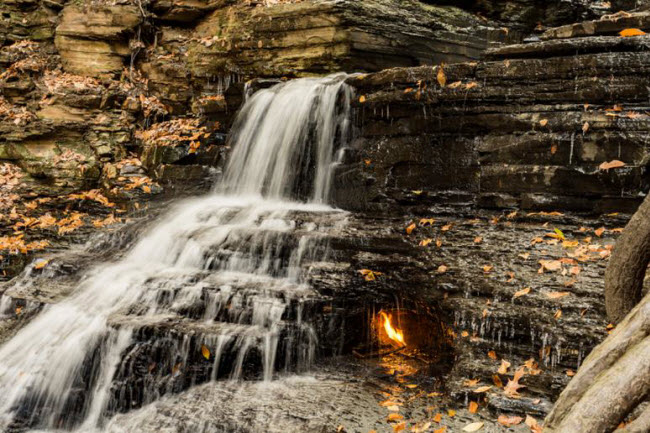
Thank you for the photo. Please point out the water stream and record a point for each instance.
(219, 279)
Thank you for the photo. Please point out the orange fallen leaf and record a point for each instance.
(399, 427)
(441, 430)
(557, 314)
(497, 381)
(543, 122)
(442, 269)
(425, 242)
(521, 292)
(611, 164)
(478, 240)
(570, 373)
(473, 407)
(599, 232)
(410, 229)
(487, 269)
(362, 99)
(442, 78)
(626, 33)
(438, 417)
(41, 263)
(533, 424)
(492, 354)
(509, 421)
(394, 417)
(205, 351)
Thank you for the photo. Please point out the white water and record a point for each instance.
(284, 143)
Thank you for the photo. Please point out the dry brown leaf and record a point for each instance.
(497, 381)
(503, 368)
(509, 421)
(483, 389)
(512, 387)
(521, 292)
(557, 295)
(475, 426)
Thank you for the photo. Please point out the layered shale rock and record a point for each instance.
(529, 128)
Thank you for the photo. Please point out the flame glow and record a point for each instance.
(394, 334)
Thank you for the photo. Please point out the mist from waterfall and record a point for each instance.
(225, 268)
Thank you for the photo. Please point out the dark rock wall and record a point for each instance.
(529, 129)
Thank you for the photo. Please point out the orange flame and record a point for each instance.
(394, 334)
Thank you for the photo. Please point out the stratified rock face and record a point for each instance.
(94, 40)
(530, 128)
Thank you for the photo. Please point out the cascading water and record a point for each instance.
(220, 277)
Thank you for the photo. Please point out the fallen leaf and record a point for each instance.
(492, 354)
(362, 99)
(442, 78)
(41, 263)
(441, 430)
(585, 127)
(471, 382)
(611, 164)
(478, 240)
(626, 33)
(427, 221)
(421, 428)
(451, 413)
(410, 228)
(570, 373)
(487, 269)
(473, 407)
(205, 352)
(533, 424)
(550, 265)
(557, 314)
(442, 269)
(438, 417)
(446, 228)
(482, 389)
(599, 232)
(394, 417)
(521, 292)
(557, 295)
(399, 427)
(543, 122)
(512, 387)
(503, 368)
(509, 421)
(425, 242)
(497, 381)
(475, 426)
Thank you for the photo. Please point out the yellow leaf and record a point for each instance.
(427, 221)
(487, 268)
(205, 351)
(521, 292)
(476, 426)
(446, 228)
(442, 269)
(631, 32)
(41, 263)
(543, 122)
(442, 78)
(611, 164)
(362, 99)
(410, 229)
(425, 242)
(451, 413)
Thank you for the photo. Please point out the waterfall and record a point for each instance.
(218, 277)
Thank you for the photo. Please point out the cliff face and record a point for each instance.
(531, 127)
